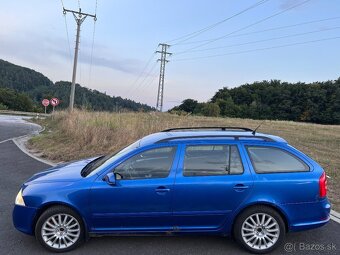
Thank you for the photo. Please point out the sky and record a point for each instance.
(117, 52)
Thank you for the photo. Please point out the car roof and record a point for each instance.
(183, 136)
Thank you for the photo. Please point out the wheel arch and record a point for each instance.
(48, 205)
(262, 203)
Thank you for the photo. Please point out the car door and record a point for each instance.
(141, 198)
(211, 182)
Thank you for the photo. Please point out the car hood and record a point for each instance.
(67, 172)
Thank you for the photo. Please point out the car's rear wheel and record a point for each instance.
(59, 229)
(259, 229)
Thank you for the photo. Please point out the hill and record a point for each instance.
(317, 102)
(18, 81)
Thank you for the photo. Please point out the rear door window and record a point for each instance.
(275, 160)
(210, 160)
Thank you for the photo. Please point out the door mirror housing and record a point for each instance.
(110, 178)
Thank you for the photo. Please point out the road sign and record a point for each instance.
(45, 102)
(54, 101)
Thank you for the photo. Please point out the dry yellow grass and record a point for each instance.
(83, 134)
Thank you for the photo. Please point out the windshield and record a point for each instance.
(99, 163)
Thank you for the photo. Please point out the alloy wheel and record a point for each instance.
(260, 231)
(60, 231)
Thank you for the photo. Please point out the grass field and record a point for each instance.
(83, 134)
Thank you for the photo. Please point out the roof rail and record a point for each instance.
(236, 137)
(198, 128)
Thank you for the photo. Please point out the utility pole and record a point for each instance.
(163, 61)
(79, 18)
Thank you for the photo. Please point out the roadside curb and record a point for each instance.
(21, 140)
(20, 143)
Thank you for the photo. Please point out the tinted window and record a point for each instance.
(206, 160)
(271, 160)
(154, 163)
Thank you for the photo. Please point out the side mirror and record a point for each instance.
(110, 178)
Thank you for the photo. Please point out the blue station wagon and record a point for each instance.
(223, 181)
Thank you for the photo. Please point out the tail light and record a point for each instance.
(323, 185)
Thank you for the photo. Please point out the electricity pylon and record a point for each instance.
(163, 61)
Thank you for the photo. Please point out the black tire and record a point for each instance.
(53, 211)
(245, 216)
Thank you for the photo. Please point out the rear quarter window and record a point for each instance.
(275, 160)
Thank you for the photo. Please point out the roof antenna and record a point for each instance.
(254, 131)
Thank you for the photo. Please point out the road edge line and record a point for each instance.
(337, 220)
(335, 214)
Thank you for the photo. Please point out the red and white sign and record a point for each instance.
(54, 101)
(45, 102)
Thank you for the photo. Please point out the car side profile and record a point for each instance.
(227, 181)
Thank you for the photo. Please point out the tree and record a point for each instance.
(317, 102)
(15, 101)
(211, 109)
(188, 105)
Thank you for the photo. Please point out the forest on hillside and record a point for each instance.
(317, 102)
(23, 89)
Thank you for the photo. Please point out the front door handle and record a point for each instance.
(162, 189)
(240, 187)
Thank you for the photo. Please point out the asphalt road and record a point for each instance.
(16, 167)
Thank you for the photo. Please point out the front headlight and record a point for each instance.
(19, 200)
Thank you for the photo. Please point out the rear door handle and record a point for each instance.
(240, 187)
(162, 189)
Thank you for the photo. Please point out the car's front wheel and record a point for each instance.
(59, 229)
(259, 229)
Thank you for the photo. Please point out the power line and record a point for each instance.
(146, 84)
(259, 49)
(264, 40)
(147, 75)
(154, 76)
(68, 38)
(198, 32)
(66, 28)
(92, 46)
(269, 29)
(133, 84)
(245, 27)
(153, 79)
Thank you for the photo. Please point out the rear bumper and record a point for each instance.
(308, 225)
(23, 218)
(308, 215)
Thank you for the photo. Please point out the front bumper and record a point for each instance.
(23, 218)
